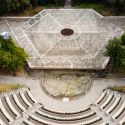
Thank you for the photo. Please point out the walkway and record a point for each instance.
(59, 105)
(68, 4)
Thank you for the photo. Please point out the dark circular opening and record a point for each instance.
(67, 32)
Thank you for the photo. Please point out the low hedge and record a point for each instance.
(117, 88)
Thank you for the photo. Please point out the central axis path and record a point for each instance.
(68, 4)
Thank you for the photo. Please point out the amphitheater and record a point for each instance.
(65, 41)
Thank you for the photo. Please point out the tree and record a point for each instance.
(11, 56)
(34, 3)
(13, 5)
(24, 4)
(116, 51)
(20, 5)
(124, 4)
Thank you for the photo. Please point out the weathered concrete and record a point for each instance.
(41, 38)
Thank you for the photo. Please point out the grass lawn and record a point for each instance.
(8, 87)
(118, 88)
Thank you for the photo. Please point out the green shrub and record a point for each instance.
(116, 51)
(11, 56)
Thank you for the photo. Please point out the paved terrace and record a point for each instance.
(41, 37)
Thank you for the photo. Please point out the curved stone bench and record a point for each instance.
(69, 115)
(11, 107)
(31, 96)
(20, 106)
(65, 113)
(42, 121)
(110, 97)
(119, 112)
(14, 103)
(25, 99)
(84, 116)
(101, 98)
(110, 109)
(5, 113)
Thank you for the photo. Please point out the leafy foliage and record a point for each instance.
(116, 51)
(96, 4)
(99, 7)
(13, 5)
(20, 5)
(11, 56)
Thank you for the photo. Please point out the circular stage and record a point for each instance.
(62, 84)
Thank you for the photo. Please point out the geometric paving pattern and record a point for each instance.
(41, 38)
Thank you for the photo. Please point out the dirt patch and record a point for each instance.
(66, 84)
(19, 72)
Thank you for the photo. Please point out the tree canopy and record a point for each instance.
(120, 4)
(7, 6)
(116, 51)
(20, 5)
(11, 56)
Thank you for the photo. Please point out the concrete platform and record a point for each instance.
(48, 48)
